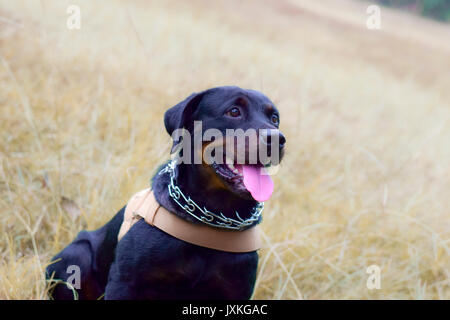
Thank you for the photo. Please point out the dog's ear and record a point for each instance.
(179, 116)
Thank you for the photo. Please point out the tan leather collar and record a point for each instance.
(144, 205)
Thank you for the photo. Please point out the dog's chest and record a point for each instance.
(167, 266)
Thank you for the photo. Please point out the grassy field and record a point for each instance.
(366, 113)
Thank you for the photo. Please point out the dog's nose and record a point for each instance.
(268, 137)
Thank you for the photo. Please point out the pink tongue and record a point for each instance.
(257, 182)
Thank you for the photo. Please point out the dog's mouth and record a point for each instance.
(246, 179)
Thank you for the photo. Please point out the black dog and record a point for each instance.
(147, 263)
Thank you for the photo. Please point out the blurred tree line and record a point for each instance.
(436, 9)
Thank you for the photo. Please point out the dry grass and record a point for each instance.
(366, 114)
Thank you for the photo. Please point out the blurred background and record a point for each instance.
(435, 9)
(366, 112)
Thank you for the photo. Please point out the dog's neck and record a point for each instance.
(194, 183)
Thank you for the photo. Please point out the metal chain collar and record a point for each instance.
(203, 214)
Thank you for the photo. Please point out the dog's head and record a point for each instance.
(233, 134)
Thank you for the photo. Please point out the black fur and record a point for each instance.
(148, 263)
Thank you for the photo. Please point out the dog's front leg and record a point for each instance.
(119, 288)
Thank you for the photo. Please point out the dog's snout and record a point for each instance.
(268, 137)
(282, 139)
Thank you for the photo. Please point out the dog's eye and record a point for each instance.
(234, 112)
(275, 119)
